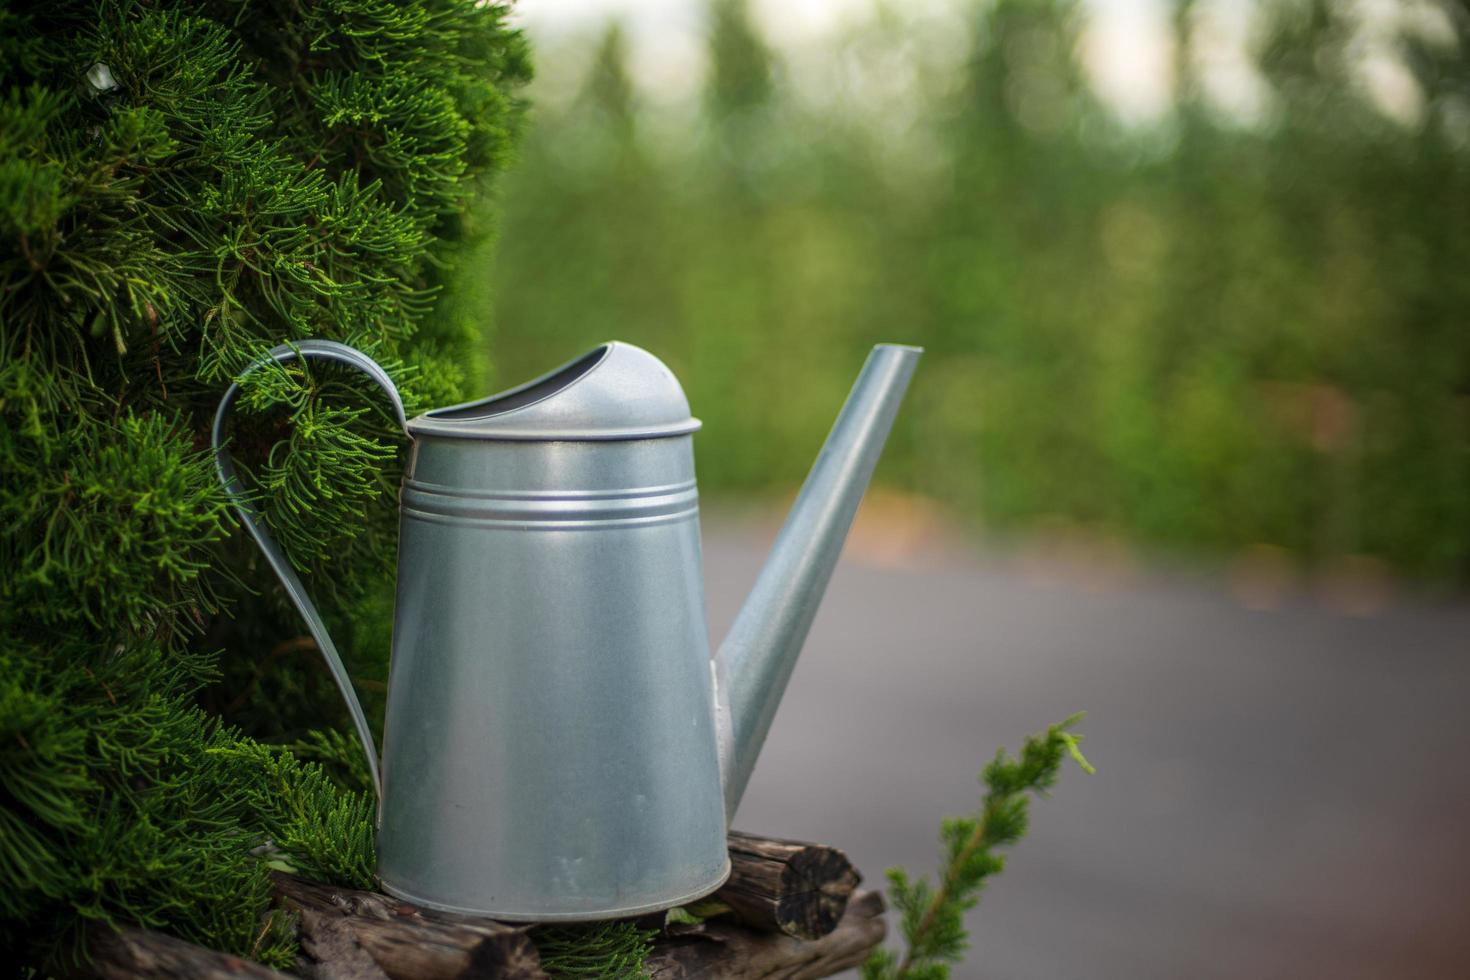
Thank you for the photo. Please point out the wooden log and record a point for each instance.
(128, 953)
(735, 952)
(330, 949)
(787, 886)
(405, 941)
(354, 935)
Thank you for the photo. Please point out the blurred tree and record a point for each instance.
(741, 69)
(608, 91)
(1016, 275)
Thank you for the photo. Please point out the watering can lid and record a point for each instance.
(615, 391)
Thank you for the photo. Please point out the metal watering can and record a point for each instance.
(559, 744)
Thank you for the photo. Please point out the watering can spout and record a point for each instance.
(755, 660)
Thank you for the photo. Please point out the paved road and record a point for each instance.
(1279, 794)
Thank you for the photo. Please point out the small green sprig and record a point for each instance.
(602, 950)
(932, 919)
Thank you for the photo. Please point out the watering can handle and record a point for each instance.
(324, 350)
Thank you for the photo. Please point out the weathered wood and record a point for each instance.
(330, 949)
(787, 902)
(734, 952)
(407, 942)
(127, 953)
(787, 886)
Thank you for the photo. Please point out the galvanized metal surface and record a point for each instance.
(756, 658)
(615, 391)
(550, 747)
(320, 350)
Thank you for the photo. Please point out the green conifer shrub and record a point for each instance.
(182, 186)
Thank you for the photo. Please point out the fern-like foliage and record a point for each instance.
(340, 756)
(597, 951)
(182, 186)
(320, 831)
(932, 915)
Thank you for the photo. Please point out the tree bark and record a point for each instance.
(787, 886)
(404, 941)
(128, 953)
(330, 949)
(733, 952)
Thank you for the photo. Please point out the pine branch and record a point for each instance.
(950, 891)
(933, 918)
(597, 951)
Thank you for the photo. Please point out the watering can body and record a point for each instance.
(550, 750)
(558, 744)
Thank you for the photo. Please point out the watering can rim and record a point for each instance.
(615, 391)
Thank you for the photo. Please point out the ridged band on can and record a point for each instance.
(559, 509)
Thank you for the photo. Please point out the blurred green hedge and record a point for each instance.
(1203, 333)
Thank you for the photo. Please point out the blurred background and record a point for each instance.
(1190, 447)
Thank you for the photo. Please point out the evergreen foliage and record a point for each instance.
(596, 951)
(183, 185)
(931, 917)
